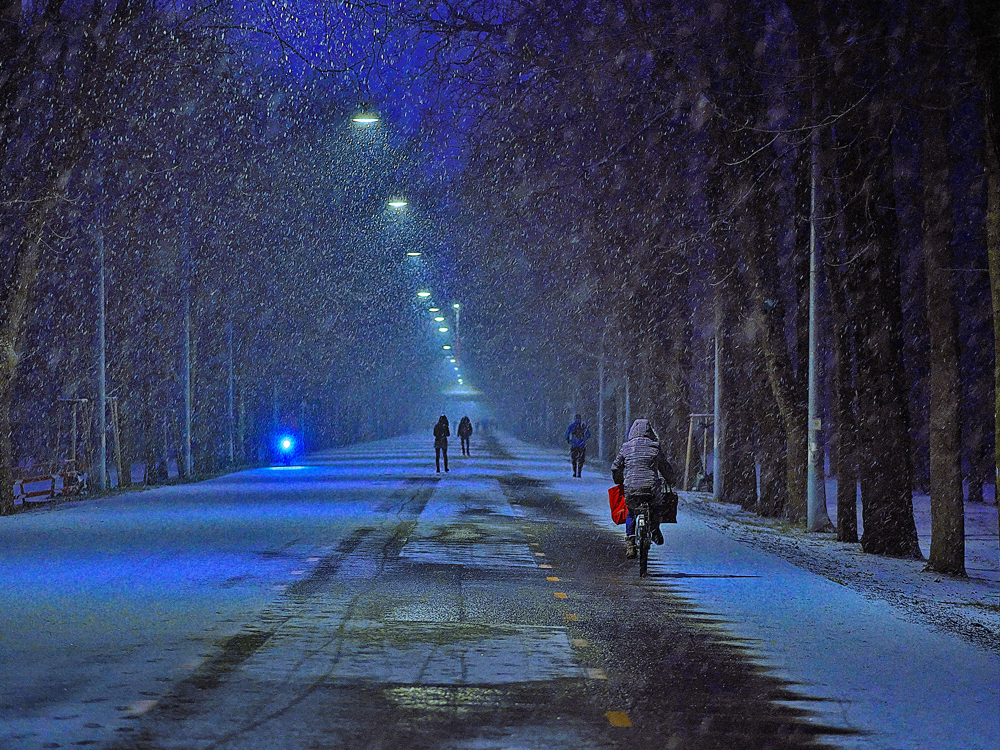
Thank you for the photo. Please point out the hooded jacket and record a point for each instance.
(441, 432)
(640, 463)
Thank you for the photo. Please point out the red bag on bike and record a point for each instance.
(616, 497)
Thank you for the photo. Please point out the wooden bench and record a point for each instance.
(47, 482)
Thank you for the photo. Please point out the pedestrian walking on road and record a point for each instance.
(638, 466)
(465, 432)
(441, 433)
(576, 435)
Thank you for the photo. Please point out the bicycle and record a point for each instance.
(643, 517)
(643, 534)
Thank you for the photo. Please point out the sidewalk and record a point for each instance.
(908, 659)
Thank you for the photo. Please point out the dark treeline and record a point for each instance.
(655, 173)
(246, 246)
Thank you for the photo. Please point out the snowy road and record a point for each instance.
(364, 601)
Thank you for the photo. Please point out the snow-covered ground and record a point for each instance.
(968, 607)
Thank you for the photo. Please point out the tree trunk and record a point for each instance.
(14, 298)
(846, 467)
(843, 379)
(770, 450)
(785, 385)
(947, 553)
(993, 243)
(885, 472)
(738, 476)
(7, 505)
(984, 22)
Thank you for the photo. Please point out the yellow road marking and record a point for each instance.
(552, 578)
(571, 617)
(581, 643)
(545, 566)
(539, 554)
(618, 719)
(596, 673)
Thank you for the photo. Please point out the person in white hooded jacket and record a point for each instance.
(639, 467)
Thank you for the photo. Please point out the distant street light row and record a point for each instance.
(365, 118)
(450, 350)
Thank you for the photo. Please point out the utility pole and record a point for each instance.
(186, 370)
(628, 405)
(817, 518)
(458, 314)
(230, 421)
(600, 403)
(717, 436)
(101, 463)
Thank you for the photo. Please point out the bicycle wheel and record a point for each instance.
(642, 526)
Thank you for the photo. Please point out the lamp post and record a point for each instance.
(458, 312)
(817, 518)
(102, 402)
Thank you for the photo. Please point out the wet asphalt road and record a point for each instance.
(364, 601)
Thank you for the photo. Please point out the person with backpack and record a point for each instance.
(441, 433)
(639, 466)
(576, 435)
(465, 432)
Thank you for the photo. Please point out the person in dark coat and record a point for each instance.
(639, 466)
(441, 433)
(576, 435)
(465, 432)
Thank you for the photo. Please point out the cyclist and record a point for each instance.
(639, 466)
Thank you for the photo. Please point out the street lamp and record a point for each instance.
(398, 203)
(423, 294)
(365, 118)
(457, 308)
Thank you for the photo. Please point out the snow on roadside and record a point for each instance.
(968, 607)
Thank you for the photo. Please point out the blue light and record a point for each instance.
(286, 444)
